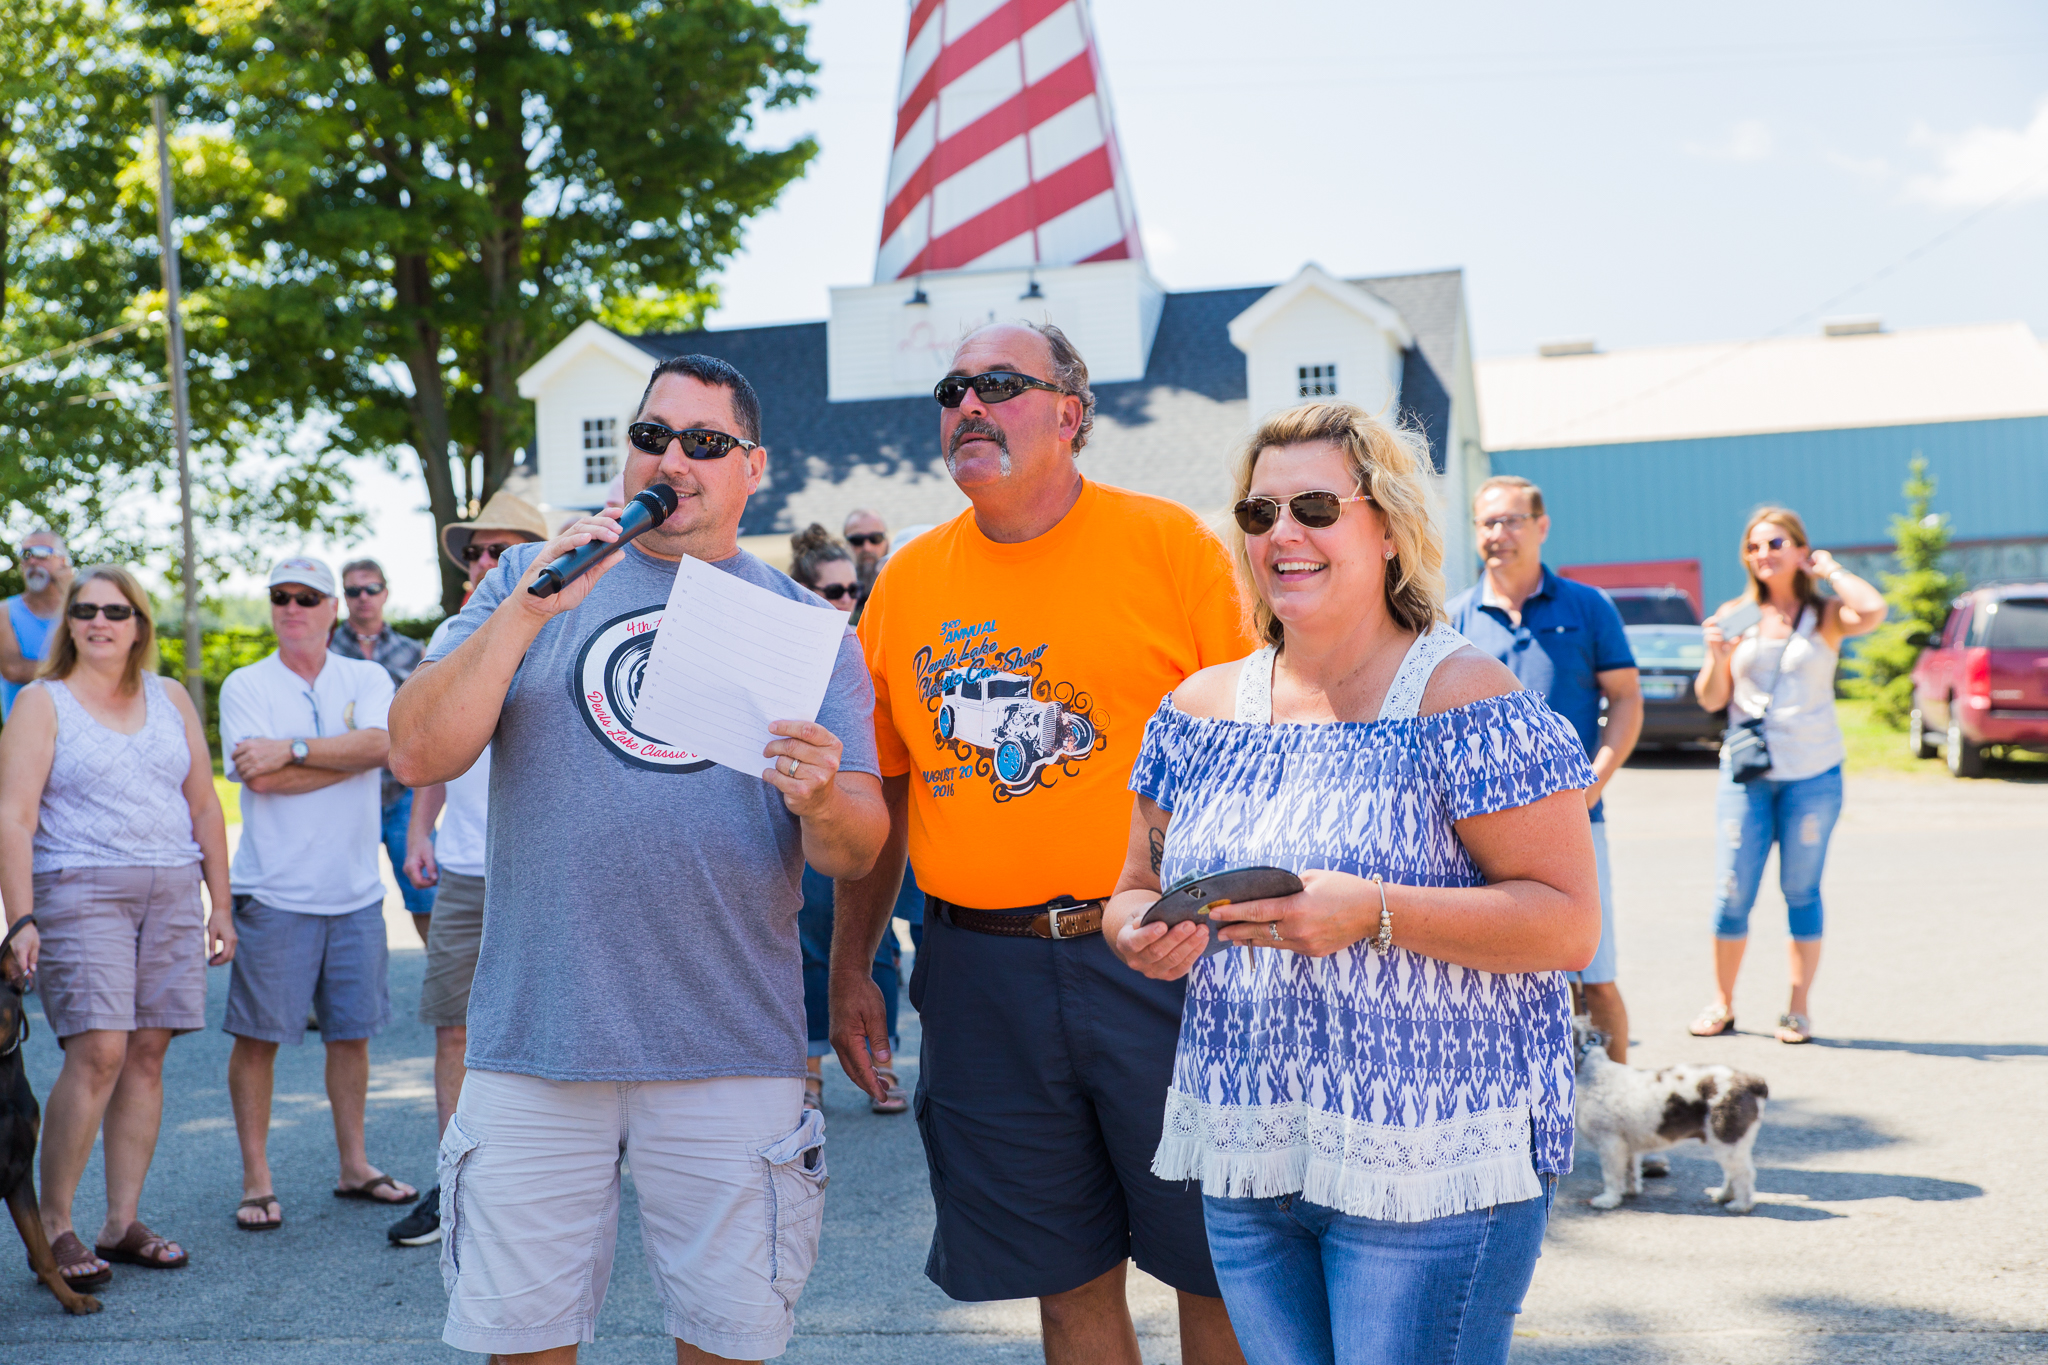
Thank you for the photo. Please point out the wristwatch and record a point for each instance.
(299, 751)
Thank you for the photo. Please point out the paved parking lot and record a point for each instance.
(1903, 1192)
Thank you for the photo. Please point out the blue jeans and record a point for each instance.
(1307, 1284)
(814, 936)
(419, 900)
(1748, 818)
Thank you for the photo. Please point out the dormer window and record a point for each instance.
(600, 450)
(1317, 381)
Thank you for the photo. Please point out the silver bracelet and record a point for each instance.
(1383, 942)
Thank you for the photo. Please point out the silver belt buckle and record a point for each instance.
(1052, 921)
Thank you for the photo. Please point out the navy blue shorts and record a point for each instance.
(1041, 1091)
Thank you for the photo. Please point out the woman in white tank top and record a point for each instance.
(108, 824)
(1780, 670)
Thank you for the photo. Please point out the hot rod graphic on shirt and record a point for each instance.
(996, 714)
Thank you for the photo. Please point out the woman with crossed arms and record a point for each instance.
(1374, 1078)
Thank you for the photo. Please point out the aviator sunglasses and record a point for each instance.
(113, 611)
(1258, 515)
(997, 386)
(698, 444)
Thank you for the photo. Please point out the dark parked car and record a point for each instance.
(1983, 682)
(1653, 607)
(1668, 658)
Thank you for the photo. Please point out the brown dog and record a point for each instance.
(21, 1123)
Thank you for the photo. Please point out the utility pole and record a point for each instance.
(174, 346)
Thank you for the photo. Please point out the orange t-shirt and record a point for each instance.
(1013, 683)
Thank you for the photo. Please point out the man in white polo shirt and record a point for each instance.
(304, 732)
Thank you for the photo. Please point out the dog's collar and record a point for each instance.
(1594, 1043)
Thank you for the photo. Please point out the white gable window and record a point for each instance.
(600, 450)
(1317, 381)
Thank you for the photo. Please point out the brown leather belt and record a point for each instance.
(1061, 917)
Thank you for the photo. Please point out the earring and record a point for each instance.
(1390, 554)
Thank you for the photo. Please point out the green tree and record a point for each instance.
(440, 190)
(1919, 595)
(85, 442)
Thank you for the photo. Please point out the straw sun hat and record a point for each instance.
(504, 512)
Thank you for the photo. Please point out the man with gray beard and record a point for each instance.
(1016, 651)
(26, 620)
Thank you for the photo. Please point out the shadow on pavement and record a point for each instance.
(1831, 1330)
(1982, 1052)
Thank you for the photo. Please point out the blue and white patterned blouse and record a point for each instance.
(1397, 1087)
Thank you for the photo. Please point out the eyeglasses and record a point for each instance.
(832, 592)
(997, 386)
(472, 552)
(876, 538)
(1258, 515)
(113, 611)
(278, 597)
(1507, 521)
(698, 443)
(1771, 546)
(363, 590)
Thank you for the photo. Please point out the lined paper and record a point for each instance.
(728, 658)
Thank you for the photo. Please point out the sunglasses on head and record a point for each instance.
(1316, 510)
(698, 443)
(867, 538)
(113, 611)
(305, 598)
(472, 552)
(832, 592)
(997, 386)
(363, 590)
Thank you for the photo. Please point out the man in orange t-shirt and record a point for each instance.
(1017, 652)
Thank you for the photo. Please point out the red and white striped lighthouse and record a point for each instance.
(1006, 152)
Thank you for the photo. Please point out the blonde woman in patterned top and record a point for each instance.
(108, 823)
(1374, 1076)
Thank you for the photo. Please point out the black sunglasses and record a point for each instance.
(997, 386)
(1258, 515)
(867, 538)
(113, 611)
(363, 590)
(472, 552)
(309, 598)
(832, 592)
(1774, 544)
(698, 443)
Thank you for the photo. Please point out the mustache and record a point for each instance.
(976, 426)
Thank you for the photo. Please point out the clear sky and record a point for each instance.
(1640, 174)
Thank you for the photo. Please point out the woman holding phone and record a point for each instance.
(1771, 656)
(1372, 1081)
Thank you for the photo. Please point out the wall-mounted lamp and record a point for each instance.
(918, 299)
(1034, 292)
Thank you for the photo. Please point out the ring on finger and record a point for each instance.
(793, 766)
(1274, 925)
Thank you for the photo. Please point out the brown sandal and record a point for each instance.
(814, 1093)
(257, 1201)
(68, 1250)
(140, 1246)
(368, 1191)
(894, 1101)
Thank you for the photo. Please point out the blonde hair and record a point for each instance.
(142, 654)
(1786, 520)
(1386, 463)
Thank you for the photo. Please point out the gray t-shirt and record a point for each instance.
(640, 903)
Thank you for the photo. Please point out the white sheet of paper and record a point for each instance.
(728, 658)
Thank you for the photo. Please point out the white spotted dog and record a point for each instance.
(1625, 1111)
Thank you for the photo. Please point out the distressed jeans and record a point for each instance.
(1798, 817)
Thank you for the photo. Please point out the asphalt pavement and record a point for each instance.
(1901, 1217)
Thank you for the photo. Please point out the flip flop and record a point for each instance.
(140, 1246)
(257, 1201)
(368, 1191)
(1712, 1023)
(1794, 1028)
(894, 1101)
(68, 1250)
(814, 1092)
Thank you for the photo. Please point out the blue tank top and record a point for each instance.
(31, 633)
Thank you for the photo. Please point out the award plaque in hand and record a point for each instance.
(1194, 897)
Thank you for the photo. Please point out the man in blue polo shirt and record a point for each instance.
(1565, 642)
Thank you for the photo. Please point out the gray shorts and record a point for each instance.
(123, 948)
(288, 963)
(1602, 969)
(453, 937)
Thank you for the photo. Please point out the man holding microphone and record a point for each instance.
(639, 989)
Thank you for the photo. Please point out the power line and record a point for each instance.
(2027, 183)
(62, 351)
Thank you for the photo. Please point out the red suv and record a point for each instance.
(1984, 681)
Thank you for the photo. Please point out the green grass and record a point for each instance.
(1874, 747)
(230, 794)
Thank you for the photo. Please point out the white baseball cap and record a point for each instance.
(307, 573)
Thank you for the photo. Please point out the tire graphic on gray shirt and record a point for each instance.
(606, 689)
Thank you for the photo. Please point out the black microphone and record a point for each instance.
(648, 509)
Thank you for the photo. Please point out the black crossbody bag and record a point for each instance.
(1749, 757)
